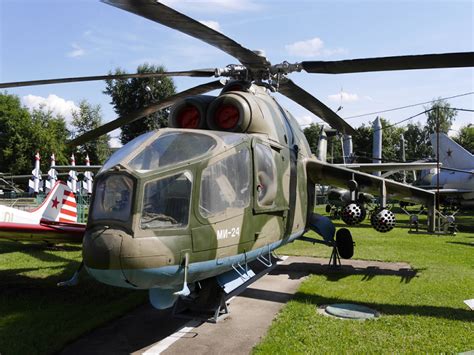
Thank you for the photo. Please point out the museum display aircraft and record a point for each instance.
(54, 221)
(456, 176)
(179, 209)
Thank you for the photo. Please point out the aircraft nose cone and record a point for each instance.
(101, 248)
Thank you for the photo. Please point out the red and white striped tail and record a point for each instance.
(68, 211)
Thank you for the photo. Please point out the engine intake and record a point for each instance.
(190, 112)
(237, 111)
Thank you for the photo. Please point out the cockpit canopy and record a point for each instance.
(166, 196)
(168, 147)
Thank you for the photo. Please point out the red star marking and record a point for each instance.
(55, 202)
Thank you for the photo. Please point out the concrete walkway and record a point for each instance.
(150, 331)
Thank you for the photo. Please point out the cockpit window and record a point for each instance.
(123, 152)
(266, 175)
(113, 198)
(225, 184)
(166, 202)
(172, 148)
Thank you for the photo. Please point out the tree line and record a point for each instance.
(416, 135)
(23, 132)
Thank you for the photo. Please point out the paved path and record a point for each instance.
(150, 331)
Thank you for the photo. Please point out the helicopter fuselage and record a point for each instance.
(215, 198)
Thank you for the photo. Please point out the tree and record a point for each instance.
(86, 119)
(440, 109)
(391, 146)
(23, 133)
(362, 143)
(16, 151)
(49, 135)
(465, 138)
(135, 93)
(334, 149)
(417, 142)
(312, 136)
(334, 146)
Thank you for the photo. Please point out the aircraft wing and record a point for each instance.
(329, 174)
(45, 231)
(370, 167)
(450, 191)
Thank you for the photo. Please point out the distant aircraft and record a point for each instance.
(456, 178)
(55, 220)
(351, 207)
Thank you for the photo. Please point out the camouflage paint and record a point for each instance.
(122, 254)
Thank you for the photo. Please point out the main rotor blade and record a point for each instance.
(425, 61)
(169, 17)
(309, 102)
(133, 116)
(204, 73)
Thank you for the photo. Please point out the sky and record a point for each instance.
(62, 38)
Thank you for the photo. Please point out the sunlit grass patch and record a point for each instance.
(422, 314)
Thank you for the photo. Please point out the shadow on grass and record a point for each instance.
(462, 243)
(298, 270)
(40, 251)
(12, 246)
(393, 309)
(15, 279)
(384, 308)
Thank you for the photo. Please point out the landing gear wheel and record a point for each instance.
(345, 243)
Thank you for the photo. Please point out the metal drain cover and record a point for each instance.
(351, 311)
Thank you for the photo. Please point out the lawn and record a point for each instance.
(424, 314)
(36, 316)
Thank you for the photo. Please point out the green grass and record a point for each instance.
(423, 314)
(36, 316)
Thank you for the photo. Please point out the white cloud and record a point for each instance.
(56, 104)
(212, 24)
(311, 48)
(115, 142)
(344, 97)
(214, 5)
(305, 120)
(76, 52)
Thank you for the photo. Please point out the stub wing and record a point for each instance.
(329, 174)
(370, 167)
(451, 191)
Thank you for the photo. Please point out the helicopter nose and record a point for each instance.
(114, 257)
(101, 255)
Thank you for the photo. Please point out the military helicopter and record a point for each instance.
(230, 180)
